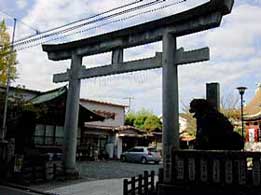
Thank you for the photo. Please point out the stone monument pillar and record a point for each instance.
(213, 94)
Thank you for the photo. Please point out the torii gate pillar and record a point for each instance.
(71, 117)
(170, 102)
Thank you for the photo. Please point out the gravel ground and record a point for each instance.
(114, 169)
(100, 170)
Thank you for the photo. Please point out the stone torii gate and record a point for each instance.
(206, 16)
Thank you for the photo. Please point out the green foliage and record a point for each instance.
(143, 119)
(7, 58)
(152, 123)
(17, 105)
(130, 118)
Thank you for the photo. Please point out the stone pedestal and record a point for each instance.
(71, 174)
(6, 158)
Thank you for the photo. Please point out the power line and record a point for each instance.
(89, 22)
(19, 20)
(98, 26)
(83, 19)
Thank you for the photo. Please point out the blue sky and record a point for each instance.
(235, 52)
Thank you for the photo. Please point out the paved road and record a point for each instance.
(98, 187)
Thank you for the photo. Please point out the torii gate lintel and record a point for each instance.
(119, 67)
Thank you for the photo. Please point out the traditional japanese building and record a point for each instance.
(252, 117)
(101, 130)
(40, 125)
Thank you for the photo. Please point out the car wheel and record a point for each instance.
(143, 160)
(156, 162)
(123, 158)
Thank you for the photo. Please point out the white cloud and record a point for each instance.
(238, 35)
(21, 3)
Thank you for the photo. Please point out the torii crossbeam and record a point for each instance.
(206, 16)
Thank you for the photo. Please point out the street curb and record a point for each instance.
(26, 188)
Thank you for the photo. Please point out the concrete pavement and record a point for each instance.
(98, 187)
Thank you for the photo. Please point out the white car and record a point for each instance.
(141, 154)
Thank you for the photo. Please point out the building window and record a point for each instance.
(39, 134)
(59, 135)
(48, 135)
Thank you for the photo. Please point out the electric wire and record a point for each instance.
(89, 22)
(25, 46)
(19, 20)
(108, 23)
(83, 19)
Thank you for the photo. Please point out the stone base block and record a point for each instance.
(71, 174)
(168, 189)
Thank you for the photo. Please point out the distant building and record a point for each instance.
(41, 126)
(252, 117)
(110, 136)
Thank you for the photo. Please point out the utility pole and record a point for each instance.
(129, 99)
(3, 131)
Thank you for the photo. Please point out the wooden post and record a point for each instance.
(140, 184)
(125, 187)
(256, 172)
(152, 181)
(160, 175)
(146, 182)
(133, 186)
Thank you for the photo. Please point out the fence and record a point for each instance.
(141, 185)
(6, 157)
(218, 168)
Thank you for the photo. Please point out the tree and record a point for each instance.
(143, 119)
(7, 57)
(130, 118)
(229, 107)
(152, 123)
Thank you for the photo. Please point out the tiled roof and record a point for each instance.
(49, 95)
(20, 88)
(253, 108)
(102, 102)
(128, 127)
